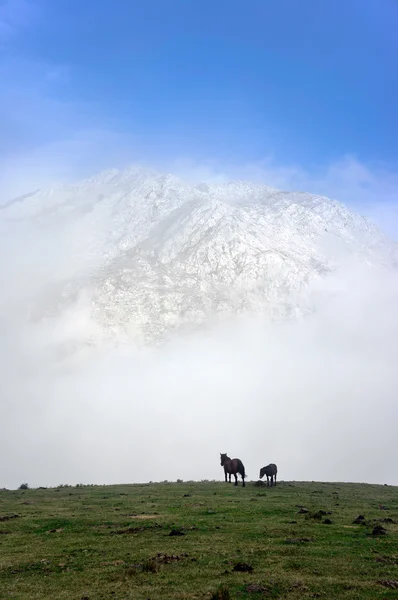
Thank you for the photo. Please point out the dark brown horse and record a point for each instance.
(270, 471)
(232, 466)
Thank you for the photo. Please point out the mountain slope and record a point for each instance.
(149, 254)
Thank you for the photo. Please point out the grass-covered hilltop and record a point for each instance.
(200, 540)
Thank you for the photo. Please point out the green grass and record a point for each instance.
(113, 542)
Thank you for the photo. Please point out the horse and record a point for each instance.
(270, 471)
(232, 466)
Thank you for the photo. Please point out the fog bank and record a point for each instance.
(316, 396)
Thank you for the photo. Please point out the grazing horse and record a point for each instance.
(270, 471)
(232, 466)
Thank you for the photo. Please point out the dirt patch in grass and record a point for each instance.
(131, 530)
(317, 515)
(176, 532)
(169, 558)
(389, 560)
(59, 530)
(255, 588)
(389, 583)
(154, 563)
(360, 520)
(242, 567)
(379, 530)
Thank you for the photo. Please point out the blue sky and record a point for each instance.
(299, 93)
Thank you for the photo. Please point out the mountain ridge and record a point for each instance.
(159, 254)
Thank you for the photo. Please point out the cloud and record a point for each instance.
(310, 397)
(318, 396)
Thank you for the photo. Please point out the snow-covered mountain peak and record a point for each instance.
(156, 254)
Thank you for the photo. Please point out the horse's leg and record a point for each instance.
(230, 478)
(267, 481)
(236, 479)
(226, 474)
(243, 481)
(275, 479)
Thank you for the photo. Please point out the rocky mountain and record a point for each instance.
(148, 254)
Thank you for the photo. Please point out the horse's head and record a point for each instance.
(224, 457)
(262, 472)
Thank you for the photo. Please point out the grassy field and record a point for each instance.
(93, 542)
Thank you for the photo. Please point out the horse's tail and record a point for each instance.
(243, 472)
